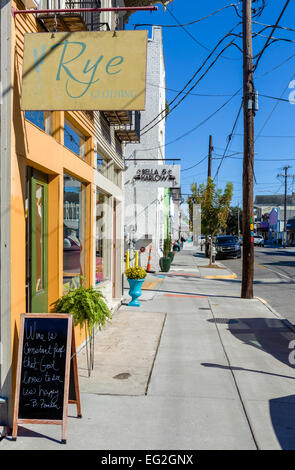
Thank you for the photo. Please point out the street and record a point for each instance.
(274, 272)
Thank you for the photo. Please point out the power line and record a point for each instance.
(269, 37)
(278, 26)
(192, 94)
(193, 37)
(183, 25)
(196, 164)
(229, 139)
(183, 98)
(197, 126)
(273, 110)
(272, 136)
(277, 66)
(193, 77)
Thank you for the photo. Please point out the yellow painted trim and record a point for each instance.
(230, 276)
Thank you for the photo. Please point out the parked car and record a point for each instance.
(258, 240)
(241, 240)
(227, 246)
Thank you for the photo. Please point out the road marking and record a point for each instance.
(229, 276)
(276, 272)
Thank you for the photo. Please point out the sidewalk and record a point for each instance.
(212, 369)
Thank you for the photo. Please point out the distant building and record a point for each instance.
(147, 210)
(270, 213)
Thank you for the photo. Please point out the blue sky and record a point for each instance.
(183, 56)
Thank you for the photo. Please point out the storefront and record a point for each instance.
(63, 210)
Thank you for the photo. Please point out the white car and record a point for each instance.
(258, 240)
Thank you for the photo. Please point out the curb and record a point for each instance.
(277, 314)
(230, 276)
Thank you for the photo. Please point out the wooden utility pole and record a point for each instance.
(286, 176)
(210, 156)
(285, 205)
(209, 176)
(248, 164)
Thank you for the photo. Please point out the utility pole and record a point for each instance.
(248, 161)
(210, 156)
(238, 219)
(209, 176)
(286, 176)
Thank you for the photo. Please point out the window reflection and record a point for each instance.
(74, 140)
(73, 231)
(41, 119)
(103, 245)
(39, 237)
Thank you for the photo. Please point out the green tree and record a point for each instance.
(215, 209)
(232, 220)
(195, 198)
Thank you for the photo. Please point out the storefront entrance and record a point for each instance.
(36, 241)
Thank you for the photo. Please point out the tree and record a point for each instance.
(195, 198)
(215, 209)
(232, 220)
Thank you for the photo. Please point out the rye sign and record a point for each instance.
(84, 71)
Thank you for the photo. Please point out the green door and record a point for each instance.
(39, 242)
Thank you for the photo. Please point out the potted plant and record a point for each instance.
(165, 261)
(171, 256)
(135, 276)
(89, 309)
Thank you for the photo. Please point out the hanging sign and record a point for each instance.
(47, 378)
(152, 174)
(87, 70)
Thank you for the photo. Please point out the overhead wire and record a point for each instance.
(194, 76)
(187, 93)
(269, 37)
(229, 139)
(197, 126)
(192, 36)
(196, 164)
(185, 24)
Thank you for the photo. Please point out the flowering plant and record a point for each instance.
(136, 272)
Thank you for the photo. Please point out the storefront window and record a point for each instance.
(74, 140)
(73, 231)
(103, 242)
(41, 119)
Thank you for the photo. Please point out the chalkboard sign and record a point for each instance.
(44, 360)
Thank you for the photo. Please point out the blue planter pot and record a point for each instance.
(135, 291)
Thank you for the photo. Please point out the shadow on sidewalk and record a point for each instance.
(281, 410)
(270, 335)
(282, 415)
(273, 337)
(197, 294)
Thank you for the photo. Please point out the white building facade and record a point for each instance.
(145, 215)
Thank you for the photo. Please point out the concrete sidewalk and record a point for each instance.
(219, 374)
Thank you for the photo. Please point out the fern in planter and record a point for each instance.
(89, 309)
